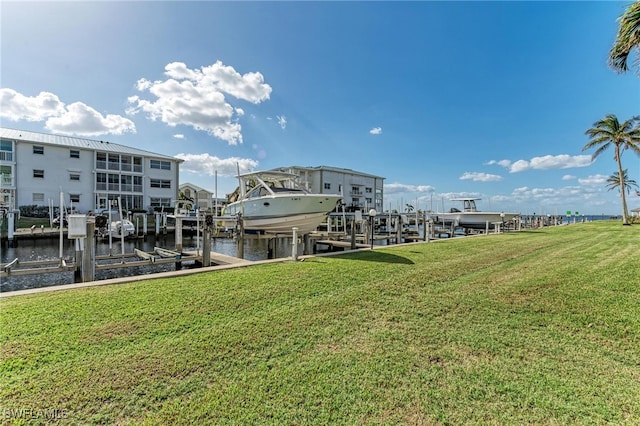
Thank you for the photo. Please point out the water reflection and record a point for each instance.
(49, 249)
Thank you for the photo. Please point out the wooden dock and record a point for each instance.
(37, 267)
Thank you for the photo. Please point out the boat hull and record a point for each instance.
(117, 230)
(473, 220)
(279, 214)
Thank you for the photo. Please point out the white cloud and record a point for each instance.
(16, 106)
(80, 119)
(376, 131)
(480, 177)
(546, 162)
(568, 177)
(73, 119)
(178, 136)
(395, 188)
(197, 98)
(282, 121)
(503, 163)
(594, 180)
(206, 164)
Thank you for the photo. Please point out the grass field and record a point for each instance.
(534, 327)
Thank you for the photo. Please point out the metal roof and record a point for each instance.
(95, 145)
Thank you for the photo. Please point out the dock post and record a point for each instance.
(157, 223)
(178, 234)
(305, 248)
(486, 227)
(426, 228)
(271, 248)
(294, 244)
(240, 241)
(399, 230)
(144, 226)
(77, 274)
(11, 229)
(89, 254)
(164, 224)
(206, 247)
(353, 234)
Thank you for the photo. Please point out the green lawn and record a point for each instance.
(534, 327)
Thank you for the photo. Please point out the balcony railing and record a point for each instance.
(6, 156)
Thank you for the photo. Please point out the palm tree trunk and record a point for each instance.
(625, 219)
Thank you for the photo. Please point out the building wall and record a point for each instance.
(58, 166)
(202, 198)
(360, 191)
(56, 170)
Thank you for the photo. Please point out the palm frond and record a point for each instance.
(627, 39)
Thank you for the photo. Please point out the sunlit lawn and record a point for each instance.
(535, 327)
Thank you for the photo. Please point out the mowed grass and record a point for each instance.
(534, 327)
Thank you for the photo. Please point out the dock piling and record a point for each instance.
(294, 244)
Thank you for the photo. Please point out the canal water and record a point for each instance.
(49, 249)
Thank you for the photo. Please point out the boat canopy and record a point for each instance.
(469, 204)
(258, 184)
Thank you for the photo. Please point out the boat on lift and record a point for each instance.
(273, 202)
(121, 228)
(470, 217)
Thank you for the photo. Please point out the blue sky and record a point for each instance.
(442, 99)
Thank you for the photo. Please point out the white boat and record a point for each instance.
(469, 217)
(117, 229)
(272, 202)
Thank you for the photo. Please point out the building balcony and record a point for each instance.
(6, 181)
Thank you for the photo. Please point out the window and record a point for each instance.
(114, 182)
(38, 173)
(101, 181)
(37, 197)
(74, 176)
(6, 178)
(101, 160)
(125, 163)
(137, 184)
(160, 183)
(74, 153)
(6, 151)
(38, 149)
(159, 164)
(75, 198)
(126, 183)
(327, 185)
(137, 164)
(114, 162)
(160, 201)
(368, 190)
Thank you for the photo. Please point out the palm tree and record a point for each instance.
(609, 131)
(627, 39)
(614, 182)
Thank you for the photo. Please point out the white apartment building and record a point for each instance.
(36, 167)
(360, 191)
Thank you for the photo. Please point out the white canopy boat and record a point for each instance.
(121, 227)
(272, 202)
(469, 217)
